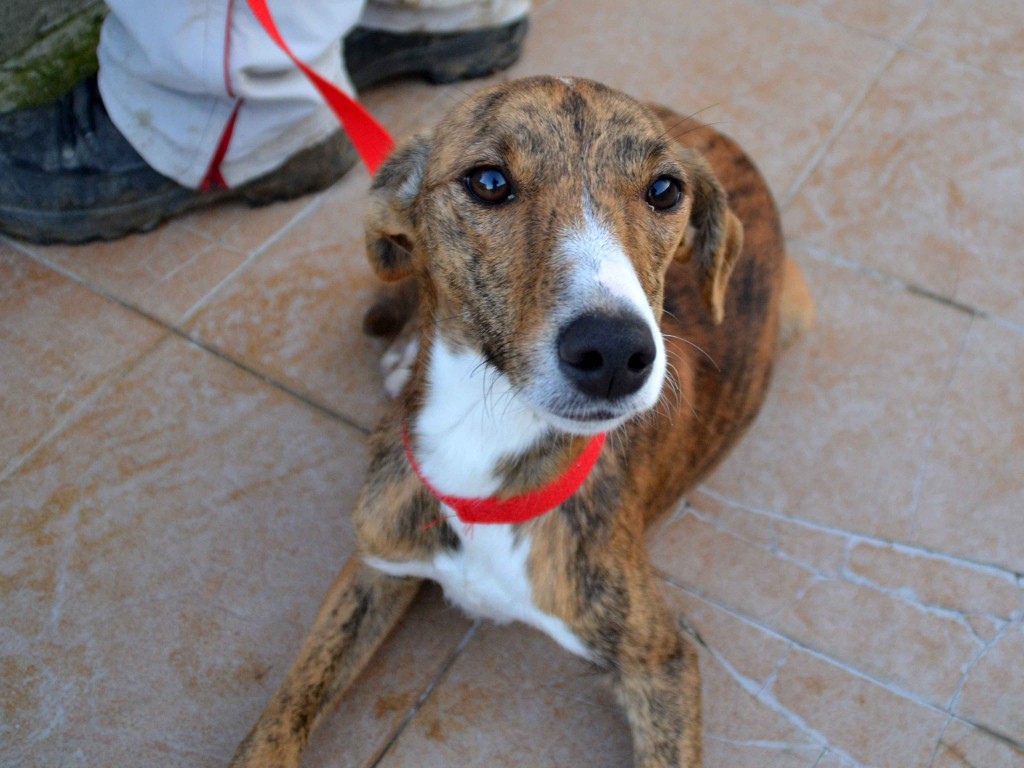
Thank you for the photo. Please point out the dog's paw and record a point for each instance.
(396, 364)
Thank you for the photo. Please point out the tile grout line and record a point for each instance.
(1001, 738)
(785, 9)
(845, 574)
(896, 47)
(959, 64)
(939, 742)
(901, 40)
(249, 259)
(954, 702)
(77, 413)
(837, 130)
(302, 397)
(425, 696)
(911, 549)
(763, 693)
(180, 333)
(846, 667)
(877, 275)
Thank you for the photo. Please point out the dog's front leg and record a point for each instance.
(657, 679)
(357, 614)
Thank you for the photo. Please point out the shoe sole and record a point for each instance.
(306, 172)
(439, 57)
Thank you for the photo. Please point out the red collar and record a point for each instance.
(518, 509)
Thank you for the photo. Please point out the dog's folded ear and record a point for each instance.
(715, 236)
(390, 221)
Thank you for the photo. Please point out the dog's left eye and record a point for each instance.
(489, 185)
(664, 193)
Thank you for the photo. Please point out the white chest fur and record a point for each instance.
(487, 578)
(470, 420)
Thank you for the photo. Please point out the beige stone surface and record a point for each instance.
(982, 33)
(993, 694)
(924, 653)
(748, 579)
(163, 274)
(515, 698)
(937, 581)
(171, 513)
(972, 492)
(931, 140)
(843, 438)
(865, 721)
(295, 313)
(59, 344)
(891, 19)
(963, 747)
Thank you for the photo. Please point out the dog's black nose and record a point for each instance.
(607, 356)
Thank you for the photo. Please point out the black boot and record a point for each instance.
(68, 175)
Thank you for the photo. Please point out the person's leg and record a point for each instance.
(175, 76)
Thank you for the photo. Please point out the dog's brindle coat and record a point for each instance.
(498, 284)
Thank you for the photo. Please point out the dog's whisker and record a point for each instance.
(695, 346)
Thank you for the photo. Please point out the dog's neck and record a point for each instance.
(472, 434)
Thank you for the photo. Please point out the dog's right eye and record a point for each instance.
(489, 185)
(664, 193)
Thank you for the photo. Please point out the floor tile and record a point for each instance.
(819, 551)
(160, 561)
(389, 689)
(842, 438)
(993, 695)
(242, 227)
(59, 342)
(891, 19)
(738, 726)
(971, 493)
(777, 83)
(748, 650)
(163, 273)
(737, 662)
(923, 185)
(295, 314)
(514, 698)
(924, 652)
(407, 106)
(964, 747)
(936, 581)
(869, 723)
(988, 34)
(747, 578)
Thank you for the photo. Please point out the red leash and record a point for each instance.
(371, 140)
(518, 509)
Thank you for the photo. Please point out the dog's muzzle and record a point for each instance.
(607, 357)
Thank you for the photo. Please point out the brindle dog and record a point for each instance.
(584, 264)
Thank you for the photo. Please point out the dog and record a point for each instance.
(602, 292)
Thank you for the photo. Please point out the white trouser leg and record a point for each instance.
(441, 15)
(172, 73)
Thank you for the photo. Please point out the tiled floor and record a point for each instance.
(184, 416)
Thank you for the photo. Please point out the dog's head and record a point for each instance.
(541, 216)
